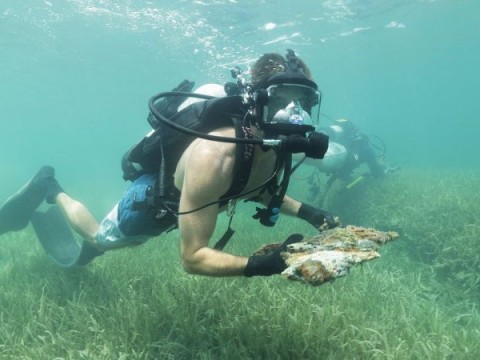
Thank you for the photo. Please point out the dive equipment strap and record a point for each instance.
(269, 216)
(229, 232)
(241, 171)
(243, 160)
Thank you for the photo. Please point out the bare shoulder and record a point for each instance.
(207, 164)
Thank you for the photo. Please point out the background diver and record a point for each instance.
(348, 150)
(183, 181)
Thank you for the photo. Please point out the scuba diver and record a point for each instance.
(199, 159)
(359, 149)
(348, 150)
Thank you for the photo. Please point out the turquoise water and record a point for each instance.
(76, 75)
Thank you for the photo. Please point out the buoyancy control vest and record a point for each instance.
(205, 116)
(168, 143)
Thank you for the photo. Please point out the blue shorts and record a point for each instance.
(125, 226)
(133, 222)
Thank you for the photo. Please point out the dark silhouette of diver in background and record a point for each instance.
(349, 148)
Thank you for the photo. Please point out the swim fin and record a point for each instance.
(56, 237)
(17, 210)
(58, 240)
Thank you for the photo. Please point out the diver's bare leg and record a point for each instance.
(78, 217)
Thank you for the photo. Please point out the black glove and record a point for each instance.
(321, 219)
(272, 263)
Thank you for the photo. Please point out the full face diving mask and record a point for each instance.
(286, 114)
(289, 104)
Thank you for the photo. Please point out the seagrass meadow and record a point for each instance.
(76, 77)
(418, 301)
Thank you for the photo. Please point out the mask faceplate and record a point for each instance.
(290, 104)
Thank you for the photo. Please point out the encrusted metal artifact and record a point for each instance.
(330, 254)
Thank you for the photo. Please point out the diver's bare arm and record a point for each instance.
(290, 206)
(206, 178)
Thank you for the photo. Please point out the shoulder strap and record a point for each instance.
(241, 174)
(243, 161)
